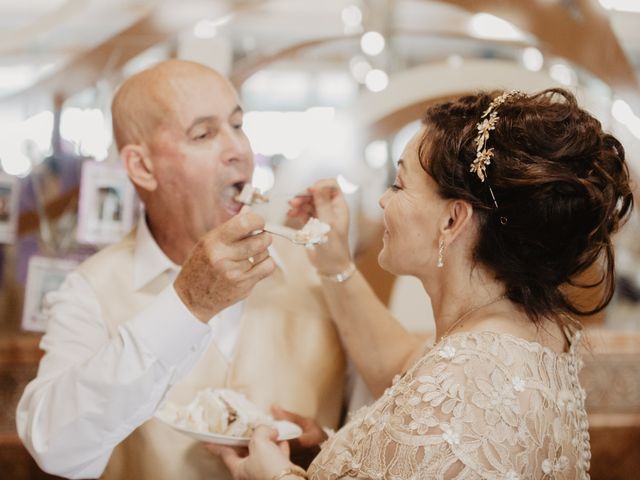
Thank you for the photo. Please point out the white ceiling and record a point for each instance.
(41, 36)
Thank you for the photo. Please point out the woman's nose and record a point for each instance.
(383, 199)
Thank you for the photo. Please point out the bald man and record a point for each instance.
(190, 299)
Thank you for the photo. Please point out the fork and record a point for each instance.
(290, 234)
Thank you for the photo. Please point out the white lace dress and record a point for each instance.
(475, 406)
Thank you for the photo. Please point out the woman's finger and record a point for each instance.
(284, 448)
(263, 433)
(323, 199)
(229, 456)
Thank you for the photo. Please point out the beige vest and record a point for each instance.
(287, 353)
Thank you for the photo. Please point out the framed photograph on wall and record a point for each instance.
(9, 191)
(44, 275)
(107, 204)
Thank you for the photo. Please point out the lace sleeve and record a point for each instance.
(473, 407)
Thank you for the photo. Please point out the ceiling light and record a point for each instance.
(455, 60)
(622, 112)
(359, 68)
(372, 43)
(205, 29)
(532, 59)
(484, 25)
(632, 6)
(376, 154)
(352, 16)
(209, 28)
(14, 160)
(376, 80)
(562, 73)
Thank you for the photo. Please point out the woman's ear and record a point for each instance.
(458, 219)
(139, 166)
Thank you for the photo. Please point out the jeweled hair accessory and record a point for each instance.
(488, 122)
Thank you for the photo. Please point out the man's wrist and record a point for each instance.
(183, 293)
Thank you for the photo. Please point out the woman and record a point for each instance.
(499, 202)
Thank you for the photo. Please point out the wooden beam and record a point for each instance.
(89, 67)
(579, 31)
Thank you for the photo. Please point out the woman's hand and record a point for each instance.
(326, 202)
(266, 458)
(307, 446)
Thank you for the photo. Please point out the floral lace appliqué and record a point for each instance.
(480, 405)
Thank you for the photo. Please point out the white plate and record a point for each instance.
(286, 431)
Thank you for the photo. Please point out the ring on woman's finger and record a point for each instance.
(251, 260)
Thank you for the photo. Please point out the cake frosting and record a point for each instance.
(218, 411)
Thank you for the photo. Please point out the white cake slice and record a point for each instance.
(219, 411)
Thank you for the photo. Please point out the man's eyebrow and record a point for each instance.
(199, 120)
(212, 118)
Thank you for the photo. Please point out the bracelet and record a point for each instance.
(342, 276)
(295, 471)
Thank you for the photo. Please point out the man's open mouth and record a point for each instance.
(229, 195)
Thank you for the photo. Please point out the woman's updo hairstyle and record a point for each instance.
(561, 185)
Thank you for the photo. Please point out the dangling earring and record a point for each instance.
(441, 254)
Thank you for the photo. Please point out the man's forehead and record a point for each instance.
(199, 98)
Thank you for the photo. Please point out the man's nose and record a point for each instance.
(235, 146)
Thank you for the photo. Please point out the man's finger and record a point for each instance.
(250, 246)
(260, 270)
(254, 260)
(241, 226)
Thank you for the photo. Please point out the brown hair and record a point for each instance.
(559, 180)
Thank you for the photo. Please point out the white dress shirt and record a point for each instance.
(92, 391)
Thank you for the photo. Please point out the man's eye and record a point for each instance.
(237, 126)
(395, 188)
(201, 136)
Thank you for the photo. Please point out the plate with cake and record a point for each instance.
(222, 416)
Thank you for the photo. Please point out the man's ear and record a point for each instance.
(139, 166)
(458, 219)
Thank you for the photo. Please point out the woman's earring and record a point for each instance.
(441, 254)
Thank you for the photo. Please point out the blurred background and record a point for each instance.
(330, 88)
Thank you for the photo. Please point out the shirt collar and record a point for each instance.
(150, 261)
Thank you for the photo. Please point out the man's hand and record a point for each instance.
(224, 266)
(307, 446)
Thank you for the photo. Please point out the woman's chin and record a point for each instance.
(384, 262)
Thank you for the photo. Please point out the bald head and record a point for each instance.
(147, 99)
